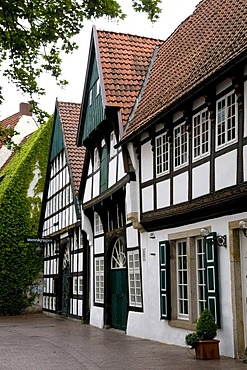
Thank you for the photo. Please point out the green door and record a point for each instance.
(118, 282)
(65, 290)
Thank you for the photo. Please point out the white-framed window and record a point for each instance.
(90, 97)
(80, 285)
(75, 285)
(226, 120)
(188, 277)
(162, 148)
(98, 227)
(99, 279)
(180, 145)
(96, 159)
(97, 87)
(182, 280)
(134, 275)
(113, 142)
(200, 134)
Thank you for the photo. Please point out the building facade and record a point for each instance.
(188, 134)
(65, 278)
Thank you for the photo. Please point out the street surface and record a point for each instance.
(39, 342)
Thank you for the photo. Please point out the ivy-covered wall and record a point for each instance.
(20, 264)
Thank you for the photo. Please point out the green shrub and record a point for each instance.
(206, 328)
(191, 339)
(19, 263)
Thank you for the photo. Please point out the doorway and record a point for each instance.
(66, 282)
(118, 283)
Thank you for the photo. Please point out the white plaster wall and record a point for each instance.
(226, 170)
(132, 237)
(198, 102)
(147, 199)
(180, 188)
(86, 226)
(96, 183)
(132, 197)
(79, 307)
(88, 190)
(99, 245)
(163, 193)
(177, 115)
(112, 172)
(223, 85)
(148, 324)
(97, 317)
(121, 172)
(147, 162)
(200, 180)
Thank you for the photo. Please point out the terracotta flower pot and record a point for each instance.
(207, 349)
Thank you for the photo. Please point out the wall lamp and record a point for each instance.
(219, 239)
(243, 227)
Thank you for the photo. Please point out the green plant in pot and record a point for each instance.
(202, 340)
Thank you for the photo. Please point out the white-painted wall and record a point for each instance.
(148, 324)
(226, 170)
(201, 180)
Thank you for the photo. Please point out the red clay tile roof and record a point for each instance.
(124, 61)
(206, 41)
(11, 121)
(69, 114)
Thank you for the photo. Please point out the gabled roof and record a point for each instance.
(212, 37)
(69, 116)
(123, 62)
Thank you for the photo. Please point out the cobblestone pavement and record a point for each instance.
(39, 342)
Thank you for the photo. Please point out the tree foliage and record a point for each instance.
(34, 32)
(19, 263)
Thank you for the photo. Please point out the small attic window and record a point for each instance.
(90, 97)
(97, 87)
(96, 159)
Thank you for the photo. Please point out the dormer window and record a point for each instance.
(96, 159)
(113, 142)
(98, 227)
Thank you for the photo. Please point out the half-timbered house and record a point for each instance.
(187, 140)
(65, 254)
(117, 66)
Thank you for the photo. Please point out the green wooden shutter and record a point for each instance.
(165, 296)
(211, 276)
(103, 170)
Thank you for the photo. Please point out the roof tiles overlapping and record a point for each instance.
(124, 61)
(69, 115)
(210, 38)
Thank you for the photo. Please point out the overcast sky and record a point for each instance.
(74, 65)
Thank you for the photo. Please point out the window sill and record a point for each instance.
(182, 324)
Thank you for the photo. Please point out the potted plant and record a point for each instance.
(206, 347)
